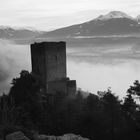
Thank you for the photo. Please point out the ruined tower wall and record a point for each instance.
(49, 64)
(71, 87)
(57, 86)
(49, 60)
(38, 61)
(55, 61)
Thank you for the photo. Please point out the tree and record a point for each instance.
(133, 109)
(129, 105)
(26, 96)
(135, 89)
(111, 109)
(129, 111)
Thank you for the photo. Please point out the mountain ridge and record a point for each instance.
(113, 23)
(7, 32)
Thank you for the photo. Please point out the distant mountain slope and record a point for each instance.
(11, 33)
(114, 23)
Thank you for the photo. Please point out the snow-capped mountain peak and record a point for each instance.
(114, 14)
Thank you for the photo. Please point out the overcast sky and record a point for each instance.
(50, 14)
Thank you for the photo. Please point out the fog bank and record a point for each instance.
(13, 58)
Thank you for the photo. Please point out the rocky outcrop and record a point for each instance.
(71, 137)
(64, 137)
(20, 136)
(16, 136)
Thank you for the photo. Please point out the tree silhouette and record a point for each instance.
(26, 97)
(111, 109)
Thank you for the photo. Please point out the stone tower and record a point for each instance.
(49, 64)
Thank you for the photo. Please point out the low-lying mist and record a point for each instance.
(13, 58)
(99, 67)
(98, 77)
(95, 66)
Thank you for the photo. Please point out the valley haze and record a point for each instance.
(101, 53)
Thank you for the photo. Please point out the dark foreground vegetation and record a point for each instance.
(98, 117)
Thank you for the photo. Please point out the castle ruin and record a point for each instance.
(49, 64)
